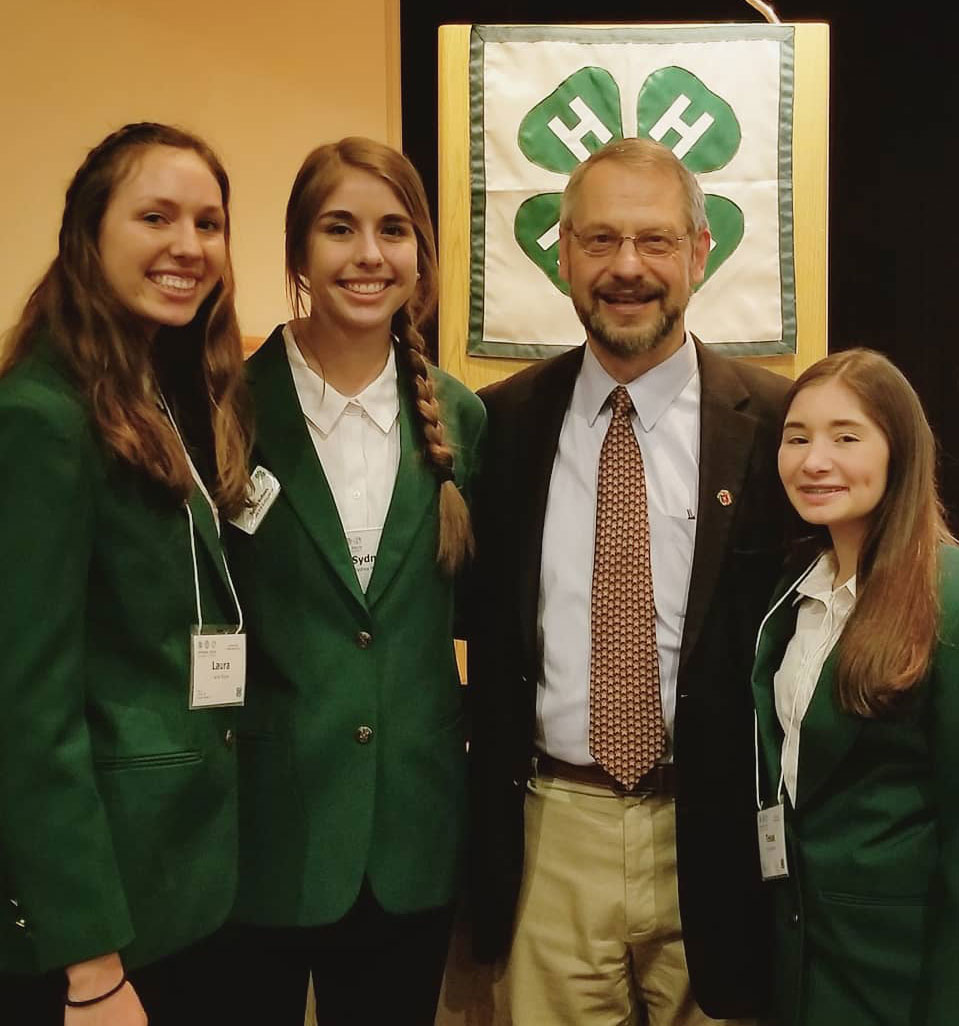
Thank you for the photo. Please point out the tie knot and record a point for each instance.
(620, 401)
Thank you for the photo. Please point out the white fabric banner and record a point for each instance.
(544, 98)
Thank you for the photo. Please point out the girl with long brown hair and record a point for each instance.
(122, 438)
(856, 686)
(352, 749)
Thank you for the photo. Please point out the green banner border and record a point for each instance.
(476, 345)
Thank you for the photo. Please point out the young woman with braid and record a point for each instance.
(352, 748)
(123, 444)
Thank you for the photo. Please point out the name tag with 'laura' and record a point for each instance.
(262, 493)
(217, 667)
(772, 843)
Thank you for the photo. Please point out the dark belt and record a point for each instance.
(661, 779)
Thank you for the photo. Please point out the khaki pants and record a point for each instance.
(598, 939)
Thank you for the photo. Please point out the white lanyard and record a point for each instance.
(771, 822)
(786, 594)
(216, 519)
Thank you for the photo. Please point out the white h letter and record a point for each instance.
(572, 138)
(689, 135)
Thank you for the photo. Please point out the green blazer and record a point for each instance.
(352, 756)
(117, 803)
(867, 924)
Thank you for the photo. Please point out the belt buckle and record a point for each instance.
(651, 782)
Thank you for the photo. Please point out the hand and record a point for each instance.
(95, 977)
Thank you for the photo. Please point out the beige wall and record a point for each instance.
(263, 82)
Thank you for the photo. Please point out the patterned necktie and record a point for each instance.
(626, 731)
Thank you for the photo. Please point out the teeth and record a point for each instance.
(365, 288)
(174, 281)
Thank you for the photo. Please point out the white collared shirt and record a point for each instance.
(666, 423)
(822, 615)
(357, 440)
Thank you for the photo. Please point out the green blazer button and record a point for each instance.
(364, 639)
(363, 735)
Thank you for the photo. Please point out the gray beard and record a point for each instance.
(625, 341)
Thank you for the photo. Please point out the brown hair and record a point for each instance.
(888, 642)
(106, 347)
(319, 175)
(640, 155)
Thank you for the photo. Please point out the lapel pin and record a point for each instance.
(725, 497)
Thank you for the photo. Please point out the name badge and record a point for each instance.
(363, 548)
(261, 494)
(217, 667)
(772, 843)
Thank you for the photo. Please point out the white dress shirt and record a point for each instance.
(666, 423)
(357, 440)
(822, 615)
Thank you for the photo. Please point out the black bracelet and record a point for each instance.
(95, 1001)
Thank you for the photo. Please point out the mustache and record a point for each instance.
(635, 292)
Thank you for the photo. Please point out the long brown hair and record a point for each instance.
(319, 175)
(888, 642)
(106, 348)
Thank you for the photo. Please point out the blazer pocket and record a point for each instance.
(885, 900)
(157, 760)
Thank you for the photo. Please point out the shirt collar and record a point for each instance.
(323, 405)
(817, 584)
(652, 393)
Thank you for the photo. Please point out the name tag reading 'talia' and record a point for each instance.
(217, 667)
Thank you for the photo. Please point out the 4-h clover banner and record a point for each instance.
(542, 98)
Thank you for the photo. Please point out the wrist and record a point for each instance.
(94, 977)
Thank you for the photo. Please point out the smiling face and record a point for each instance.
(162, 238)
(362, 256)
(631, 305)
(833, 460)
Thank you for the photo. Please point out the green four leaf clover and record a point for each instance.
(583, 113)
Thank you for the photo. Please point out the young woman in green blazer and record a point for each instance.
(856, 685)
(352, 749)
(117, 799)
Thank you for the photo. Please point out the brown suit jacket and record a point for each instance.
(737, 559)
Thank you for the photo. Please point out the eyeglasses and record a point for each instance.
(660, 242)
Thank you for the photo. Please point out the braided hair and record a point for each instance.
(317, 178)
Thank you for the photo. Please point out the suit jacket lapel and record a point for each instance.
(538, 426)
(726, 441)
(414, 492)
(205, 527)
(827, 732)
(284, 441)
(774, 633)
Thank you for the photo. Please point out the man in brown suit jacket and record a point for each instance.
(616, 903)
